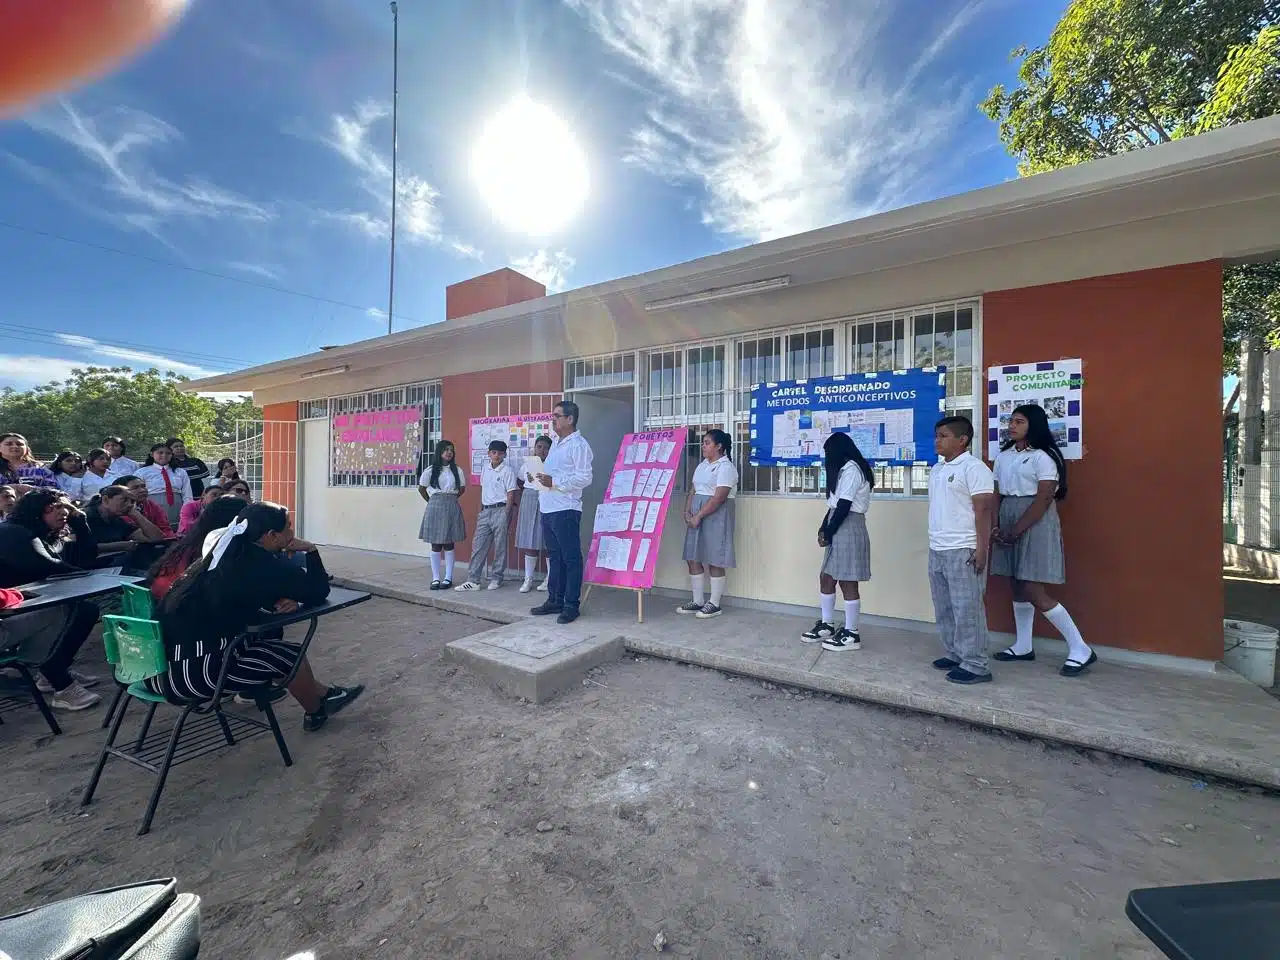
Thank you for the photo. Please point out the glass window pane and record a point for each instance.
(884, 359)
(922, 331)
(964, 337)
(944, 325)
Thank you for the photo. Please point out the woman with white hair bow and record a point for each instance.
(216, 598)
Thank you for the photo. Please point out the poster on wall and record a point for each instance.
(377, 442)
(517, 432)
(890, 416)
(626, 531)
(1055, 385)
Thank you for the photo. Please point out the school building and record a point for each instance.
(1117, 263)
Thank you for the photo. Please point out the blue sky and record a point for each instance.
(144, 219)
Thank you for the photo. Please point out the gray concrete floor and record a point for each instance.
(1215, 723)
(741, 820)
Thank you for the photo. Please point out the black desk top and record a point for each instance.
(50, 593)
(339, 599)
(1210, 921)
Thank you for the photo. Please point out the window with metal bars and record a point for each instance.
(608, 370)
(426, 395)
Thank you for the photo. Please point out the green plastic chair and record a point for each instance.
(136, 602)
(138, 649)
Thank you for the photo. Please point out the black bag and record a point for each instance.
(141, 921)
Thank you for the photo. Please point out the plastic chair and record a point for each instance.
(135, 602)
(140, 655)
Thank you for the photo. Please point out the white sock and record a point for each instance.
(448, 564)
(851, 610)
(435, 566)
(530, 566)
(1077, 649)
(699, 592)
(1024, 618)
(828, 607)
(717, 589)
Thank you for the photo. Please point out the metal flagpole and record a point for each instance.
(395, 146)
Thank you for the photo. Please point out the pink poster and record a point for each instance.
(518, 432)
(627, 528)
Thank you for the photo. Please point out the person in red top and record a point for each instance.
(221, 512)
(137, 488)
(191, 511)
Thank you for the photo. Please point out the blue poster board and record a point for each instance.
(889, 415)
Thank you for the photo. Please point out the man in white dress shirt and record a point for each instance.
(566, 473)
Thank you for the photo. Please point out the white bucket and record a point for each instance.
(1250, 650)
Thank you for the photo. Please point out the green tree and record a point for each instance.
(1120, 75)
(143, 407)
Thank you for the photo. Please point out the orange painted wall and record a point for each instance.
(463, 398)
(1142, 524)
(497, 289)
(280, 453)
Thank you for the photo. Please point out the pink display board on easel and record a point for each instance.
(627, 528)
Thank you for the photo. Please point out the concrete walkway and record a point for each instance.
(1217, 724)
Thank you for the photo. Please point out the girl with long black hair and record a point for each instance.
(441, 484)
(844, 535)
(1031, 477)
(210, 605)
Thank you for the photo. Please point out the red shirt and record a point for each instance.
(156, 514)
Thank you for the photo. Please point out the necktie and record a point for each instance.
(168, 487)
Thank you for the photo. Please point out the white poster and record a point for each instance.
(1057, 386)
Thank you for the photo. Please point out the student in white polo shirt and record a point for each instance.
(497, 496)
(1031, 477)
(961, 516)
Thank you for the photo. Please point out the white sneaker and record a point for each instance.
(467, 586)
(493, 585)
(542, 587)
(75, 697)
(44, 686)
(527, 585)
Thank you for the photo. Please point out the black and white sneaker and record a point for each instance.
(335, 700)
(691, 607)
(819, 631)
(845, 639)
(708, 611)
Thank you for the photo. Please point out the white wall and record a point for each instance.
(779, 557)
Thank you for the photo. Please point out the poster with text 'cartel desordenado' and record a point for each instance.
(1057, 386)
(890, 416)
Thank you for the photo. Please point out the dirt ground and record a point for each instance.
(438, 819)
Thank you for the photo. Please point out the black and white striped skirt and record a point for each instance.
(442, 520)
(1037, 556)
(529, 522)
(711, 541)
(848, 555)
(256, 662)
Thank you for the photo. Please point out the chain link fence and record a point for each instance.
(1251, 480)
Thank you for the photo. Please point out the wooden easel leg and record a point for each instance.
(586, 594)
(639, 606)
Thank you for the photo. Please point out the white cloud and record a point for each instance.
(23, 372)
(120, 145)
(267, 272)
(549, 268)
(376, 313)
(138, 359)
(789, 115)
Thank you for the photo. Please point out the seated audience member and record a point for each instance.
(240, 489)
(119, 527)
(47, 535)
(8, 500)
(67, 469)
(19, 468)
(191, 511)
(219, 515)
(121, 466)
(94, 478)
(225, 472)
(218, 596)
(197, 470)
(137, 488)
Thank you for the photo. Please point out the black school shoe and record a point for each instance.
(546, 607)
(568, 615)
(1073, 668)
(435, 584)
(963, 676)
(1008, 656)
(336, 700)
(945, 663)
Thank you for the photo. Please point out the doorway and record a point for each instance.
(606, 415)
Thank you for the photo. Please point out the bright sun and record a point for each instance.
(530, 169)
